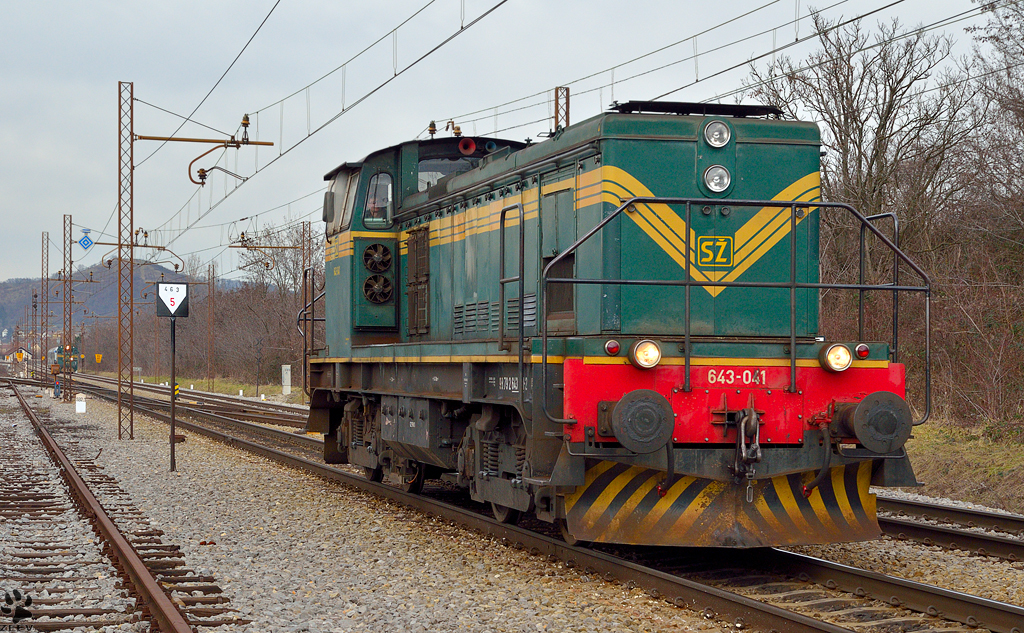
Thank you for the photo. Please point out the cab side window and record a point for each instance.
(339, 201)
(379, 201)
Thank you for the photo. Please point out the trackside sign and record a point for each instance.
(172, 300)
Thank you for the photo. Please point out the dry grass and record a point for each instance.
(964, 464)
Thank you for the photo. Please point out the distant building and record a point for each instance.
(10, 354)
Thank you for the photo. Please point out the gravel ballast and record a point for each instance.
(89, 579)
(296, 553)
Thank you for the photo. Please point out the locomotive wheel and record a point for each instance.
(373, 474)
(413, 482)
(505, 514)
(569, 538)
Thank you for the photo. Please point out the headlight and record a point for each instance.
(835, 357)
(717, 134)
(717, 178)
(645, 354)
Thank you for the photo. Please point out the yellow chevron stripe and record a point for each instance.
(789, 503)
(591, 476)
(818, 505)
(756, 237)
(867, 500)
(665, 503)
(766, 513)
(718, 514)
(839, 489)
(697, 507)
(629, 507)
(600, 505)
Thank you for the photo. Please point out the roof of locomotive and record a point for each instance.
(437, 147)
(644, 120)
(679, 108)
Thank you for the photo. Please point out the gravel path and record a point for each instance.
(295, 553)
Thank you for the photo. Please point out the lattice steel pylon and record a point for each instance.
(561, 107)
(65, 387)
(34, 345)
(45, 283)
(125, 261)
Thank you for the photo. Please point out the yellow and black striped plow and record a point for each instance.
(621, 504)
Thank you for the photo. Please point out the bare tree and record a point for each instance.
(896, 117)
(889, 134)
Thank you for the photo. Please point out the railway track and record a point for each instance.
(763, 589)
(229, 406)
(957, 528)
(930, 524)
(55, 502)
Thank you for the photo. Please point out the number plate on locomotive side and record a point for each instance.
(754, 377)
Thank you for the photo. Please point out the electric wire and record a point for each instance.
(180, 116)
(398, 73)
(944, 22)
(223, 75)
(349, 61)
(460, 117)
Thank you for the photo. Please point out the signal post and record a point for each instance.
(172, 302)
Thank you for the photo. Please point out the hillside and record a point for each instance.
(98, 297)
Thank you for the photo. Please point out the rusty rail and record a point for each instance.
(162, 610)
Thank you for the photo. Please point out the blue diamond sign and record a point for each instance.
(85, 242)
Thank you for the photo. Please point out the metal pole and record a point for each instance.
(125, 260)
(156, 349)
(209, 327)
(174, 396)
(45, 325)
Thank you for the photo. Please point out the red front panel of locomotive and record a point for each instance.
(718, 390)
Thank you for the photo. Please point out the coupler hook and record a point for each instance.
(748, 427)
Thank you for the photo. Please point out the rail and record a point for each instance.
(163, 611)
(629, 205)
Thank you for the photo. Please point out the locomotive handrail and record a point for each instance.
(502, 280)
(629, 206)
(894, 352)
(307, 317)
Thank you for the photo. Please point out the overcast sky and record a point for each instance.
(60, 63)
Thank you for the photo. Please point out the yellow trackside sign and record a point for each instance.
(20, 356)
(99, 357)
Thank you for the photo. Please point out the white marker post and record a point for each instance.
(173, 303)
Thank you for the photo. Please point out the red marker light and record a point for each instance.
(862, 351)
(611, 348)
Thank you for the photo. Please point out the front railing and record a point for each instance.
(305, 323)
(793, 285)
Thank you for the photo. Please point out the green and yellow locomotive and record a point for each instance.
(615, 330)
(56, 356)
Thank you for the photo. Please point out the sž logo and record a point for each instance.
(15, 604)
